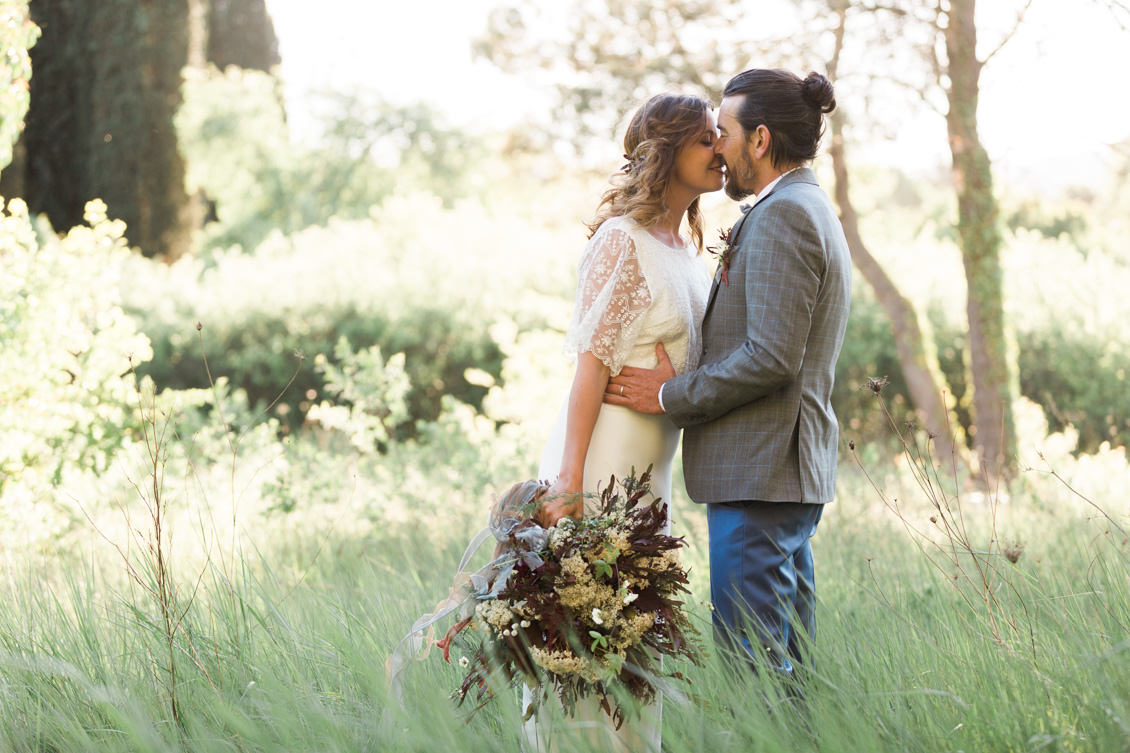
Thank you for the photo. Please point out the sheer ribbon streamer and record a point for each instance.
(469, 588)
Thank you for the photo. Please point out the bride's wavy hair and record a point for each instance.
(663, 125)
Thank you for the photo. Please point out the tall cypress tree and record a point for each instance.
(241, 33)
(60, 112)
(106, 85)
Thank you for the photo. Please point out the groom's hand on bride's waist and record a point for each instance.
(637, 388)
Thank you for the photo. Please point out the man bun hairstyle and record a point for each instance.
(817, 92)
(791, 108)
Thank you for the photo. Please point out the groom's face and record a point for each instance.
(734, 148)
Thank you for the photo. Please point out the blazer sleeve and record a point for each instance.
(784, 267)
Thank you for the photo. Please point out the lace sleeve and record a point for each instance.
(612, 296)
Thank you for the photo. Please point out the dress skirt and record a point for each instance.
(622, 440)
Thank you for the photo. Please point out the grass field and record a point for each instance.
(277, 639)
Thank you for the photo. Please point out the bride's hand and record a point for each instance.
(560, 501)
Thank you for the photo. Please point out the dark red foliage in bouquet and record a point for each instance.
(586, 607)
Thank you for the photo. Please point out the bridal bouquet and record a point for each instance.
(580, 608)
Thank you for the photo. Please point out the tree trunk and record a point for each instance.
(53, 139)
(980, 240)
(106, 85)
(922, 376)
(241, 33)
(921, 380)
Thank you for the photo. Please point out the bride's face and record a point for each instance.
(696, 165)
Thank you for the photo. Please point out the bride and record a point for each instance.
(641, 284)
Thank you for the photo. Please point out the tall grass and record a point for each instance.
(194, 626)
(283, 648)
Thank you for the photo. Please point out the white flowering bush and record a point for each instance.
(72, 409)
(66, 355)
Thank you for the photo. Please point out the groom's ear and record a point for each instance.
(759, 142)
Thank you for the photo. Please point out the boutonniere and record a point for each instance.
(724, 252)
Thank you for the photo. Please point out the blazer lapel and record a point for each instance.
(713, 294)
(735, 231)
(800, 175)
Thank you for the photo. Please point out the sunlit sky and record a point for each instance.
(1052, 103)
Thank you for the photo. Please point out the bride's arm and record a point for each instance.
(612, 297)
(585, 396)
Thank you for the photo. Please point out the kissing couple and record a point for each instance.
(743, 365)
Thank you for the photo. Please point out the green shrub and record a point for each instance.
(72, 412)
(241, 155)
(868, 351)
(1070, 311)
(1079, 382)
(351, 280)
(66, 349)
(264, 354)
(1077, 379)
(368, 395)
(77, 392)
(1068, 314)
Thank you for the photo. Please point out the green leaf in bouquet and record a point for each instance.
(603, 569)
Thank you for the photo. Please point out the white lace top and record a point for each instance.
(635, 291)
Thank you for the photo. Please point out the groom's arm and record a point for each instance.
(784, 266)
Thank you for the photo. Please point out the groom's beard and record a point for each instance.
(733, 190)
(739, 177)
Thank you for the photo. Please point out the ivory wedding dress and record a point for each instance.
(634, 291)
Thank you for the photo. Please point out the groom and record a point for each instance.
(760, 439)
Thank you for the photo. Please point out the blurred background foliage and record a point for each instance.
(259, 382)
(267, 182)
(394, 290)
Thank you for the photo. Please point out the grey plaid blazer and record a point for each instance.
(757, 412)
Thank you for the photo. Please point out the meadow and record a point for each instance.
(230, 483)
(275, 637)
(185, 571)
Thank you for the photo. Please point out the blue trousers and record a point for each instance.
(762, 582)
